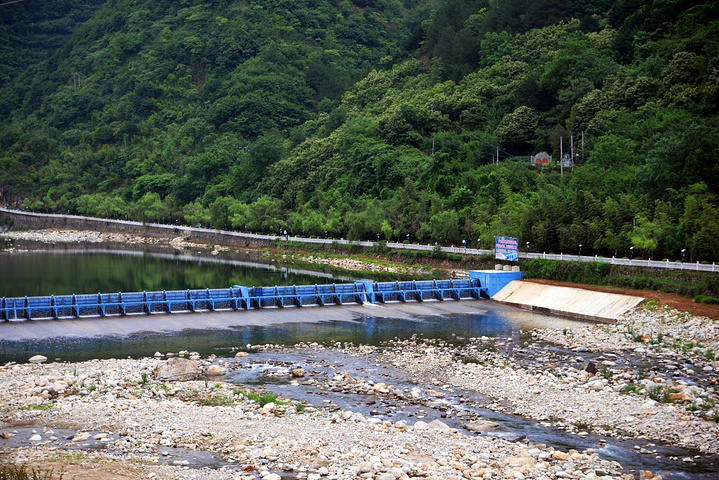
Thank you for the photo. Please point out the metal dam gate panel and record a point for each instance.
(234, 298)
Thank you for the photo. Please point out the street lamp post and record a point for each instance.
(580, 249)
(479, 244)
(464, 244)
(408, 238)
(684, 252)
(631, 253)
(527, 245)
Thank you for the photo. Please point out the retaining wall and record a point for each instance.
(40, 221)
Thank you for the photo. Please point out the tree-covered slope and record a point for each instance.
(159, 82)
(367, 119)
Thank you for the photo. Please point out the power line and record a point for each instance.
(8, 3)
(493, 147)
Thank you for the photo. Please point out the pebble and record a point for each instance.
(615, 401)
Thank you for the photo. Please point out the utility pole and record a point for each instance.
(431, 108)
(497, 156)
(561, 156)
(76, 79)
(571, 147)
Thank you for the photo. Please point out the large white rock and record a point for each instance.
(420, 425)
(216, 370)
(177, 369)
(438, 425)
(38, 359)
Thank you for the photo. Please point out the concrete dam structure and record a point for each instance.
(576, 302)
(502, 286)
(54, 307)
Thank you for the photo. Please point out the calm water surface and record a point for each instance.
(365, 330)
(78, 271)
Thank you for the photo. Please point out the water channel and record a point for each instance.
(81, 270)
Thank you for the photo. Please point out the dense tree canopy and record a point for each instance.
(372, 118)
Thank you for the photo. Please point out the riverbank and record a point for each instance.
(351, 263)
(131, 419)
(655, 377)
(107, 402)
(394, 265)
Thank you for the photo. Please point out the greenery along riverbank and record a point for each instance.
(378, 262)
(703, 287)
(372, 117)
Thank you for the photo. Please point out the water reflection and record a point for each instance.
(82, 271)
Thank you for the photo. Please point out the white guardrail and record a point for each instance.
(700, 267)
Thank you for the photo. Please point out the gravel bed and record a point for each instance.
(121, 404)
(673, 398)
(177, 417)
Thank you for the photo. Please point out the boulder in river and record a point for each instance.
(480, 426)
(591, 368)
(216, 370)
(38, 359)
(177, 369)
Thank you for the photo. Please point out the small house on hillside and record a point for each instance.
(542, 158)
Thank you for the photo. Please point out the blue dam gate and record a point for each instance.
(235, 298)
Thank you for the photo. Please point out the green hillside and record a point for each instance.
(372, 118)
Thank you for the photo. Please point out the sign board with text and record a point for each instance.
(506, 248)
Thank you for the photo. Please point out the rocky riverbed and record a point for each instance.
(182, 417)
(52, 236)
(126, 407)
(355, 265)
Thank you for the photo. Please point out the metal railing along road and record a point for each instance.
(179, 230)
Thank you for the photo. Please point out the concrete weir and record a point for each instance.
(127, 313)
(575, 302)
(79, 328)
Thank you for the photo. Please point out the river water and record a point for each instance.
(106, 270)
(71, 270)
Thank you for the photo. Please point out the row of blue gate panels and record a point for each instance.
(234, 298)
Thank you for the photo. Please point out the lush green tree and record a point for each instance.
(196, 215)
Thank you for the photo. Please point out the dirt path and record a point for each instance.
(679, 302)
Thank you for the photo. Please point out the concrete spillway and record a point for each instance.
(78, 328)
(566, 301)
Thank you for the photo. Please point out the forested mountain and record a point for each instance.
(372, 118)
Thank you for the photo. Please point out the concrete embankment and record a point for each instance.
(31, 220)
(576, 302)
